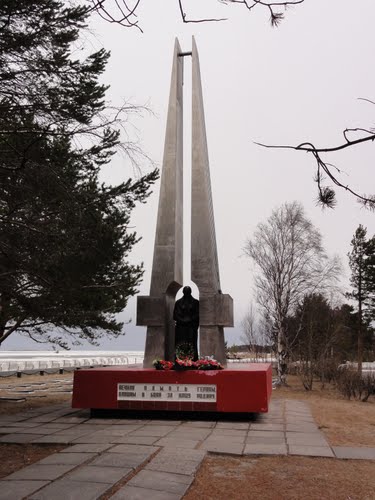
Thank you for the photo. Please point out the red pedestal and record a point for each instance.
(240, 388)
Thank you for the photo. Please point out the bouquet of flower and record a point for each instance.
(184, 363)
(161, 364)
(208, 363)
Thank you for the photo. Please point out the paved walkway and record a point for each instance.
(148, 459)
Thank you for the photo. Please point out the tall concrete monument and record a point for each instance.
(156, 310)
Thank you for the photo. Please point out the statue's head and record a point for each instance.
(186, 291)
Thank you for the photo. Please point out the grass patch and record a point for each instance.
(283, 478)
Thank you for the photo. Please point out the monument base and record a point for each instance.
(240, 388)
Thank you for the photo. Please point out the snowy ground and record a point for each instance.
(27, 361)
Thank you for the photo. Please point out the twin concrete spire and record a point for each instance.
(216, 309)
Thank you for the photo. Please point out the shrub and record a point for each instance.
(351, 384)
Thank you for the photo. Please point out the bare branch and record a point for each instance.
(183, 16)
(366, 100)
(119, 12)
(327, 194)
(126, 16)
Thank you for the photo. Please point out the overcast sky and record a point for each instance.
(298, 82)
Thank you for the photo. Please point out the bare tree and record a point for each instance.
(290, 261)
(256, 332)
(267, 332)
(249, 328)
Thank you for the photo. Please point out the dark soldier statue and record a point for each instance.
(186, 316)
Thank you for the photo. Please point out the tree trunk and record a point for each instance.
(4, 303)
(282, 363)
(360, 333)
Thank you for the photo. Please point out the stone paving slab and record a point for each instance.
(132, 449)
(19, 438)
(86, 448)
(89, 429)
(40, 471)
(135, 493)
(40, 430)
(265, 440)
(187, 454)
(233, 425)
(265, 449)
(15, 418)
(300, 417)
(228, 432)
(267, 427)
(58, 427)
(356, 453)
(134, 439)
(255, 433)
(11, 430)
(116, 430)
(126, 460)
(92, 438)
(190, 433)
(266, 419)
(107, 475)
(54, 439)
(74, 433)
(223, 446)
(227, 439)
(172, 442)
(165, 422)
(162, 481)
(67, 458)
(199, 424)
(65, 489)
(177, 436)
(114, 421)
(17, 490)
(178, 462)
(301, 428)
(308, 442)
(18, 424)
(311, 451)
(153, 430)
(44, 418)
(70, 420)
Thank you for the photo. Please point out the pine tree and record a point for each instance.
(64, 238)
(312, 335)
(361, 262)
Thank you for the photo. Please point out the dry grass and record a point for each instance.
(11, 407)
(344, 423)
(283, 478)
